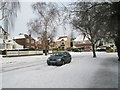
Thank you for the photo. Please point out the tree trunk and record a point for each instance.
(117, 43)
(93, 49)
(46, 46)
(45, 50)
(118, 40)
(118, 53)
(46, 39)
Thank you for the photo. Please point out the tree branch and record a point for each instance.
(3, 6)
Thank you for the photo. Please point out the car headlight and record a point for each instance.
(58, 59)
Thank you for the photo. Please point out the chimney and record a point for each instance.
(29, 35)
(20, 33)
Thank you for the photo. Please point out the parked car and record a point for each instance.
(69, 49)
(76, 50)
(59, 58)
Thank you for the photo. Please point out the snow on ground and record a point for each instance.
(0, 70)
(83, 72)
(11, 63)
(22, 59)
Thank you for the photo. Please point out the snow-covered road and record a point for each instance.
(9, 64)
(83, 72)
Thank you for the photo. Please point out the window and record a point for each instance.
(0, 31)
(63, 43)
(1, 46)
(63, 48)
(32, 41)
(27, 40)
(1, 36)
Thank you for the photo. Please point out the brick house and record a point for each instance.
(39, 43)
(25, 40)
(62, 42)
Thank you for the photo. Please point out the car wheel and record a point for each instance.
(48, 64)
(69, 61)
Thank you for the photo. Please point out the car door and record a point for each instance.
(68, 57)
(65, 57)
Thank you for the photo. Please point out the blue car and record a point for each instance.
(59, 58)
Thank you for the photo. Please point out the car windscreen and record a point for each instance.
(58, 53)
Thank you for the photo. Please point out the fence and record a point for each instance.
(23, 53)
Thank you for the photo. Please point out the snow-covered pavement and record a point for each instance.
(83, 72)
(0, 74)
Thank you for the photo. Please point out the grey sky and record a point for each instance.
(25, 15)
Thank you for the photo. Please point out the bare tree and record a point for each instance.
(45, 24)
(89, 21)
(113, 23)
(116, 17)
(9, 13)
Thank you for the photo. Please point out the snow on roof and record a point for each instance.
(36, 39)
(19, 37)
(11, 41)
(55, 39)
(62, 38)
(81, 38)
(3, 30)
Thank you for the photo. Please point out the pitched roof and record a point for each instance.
(62, 37)
(3, 29)
(81, 37)
(19, 36)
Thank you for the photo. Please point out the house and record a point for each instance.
(3, 37)
(62, 42)
(39, 43)
(13, 45)
(106, 44)
(25, 40)
(82, 42)
(4, 40)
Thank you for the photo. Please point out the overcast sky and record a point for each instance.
(25, 15)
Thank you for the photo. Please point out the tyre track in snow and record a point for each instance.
(21, 65)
